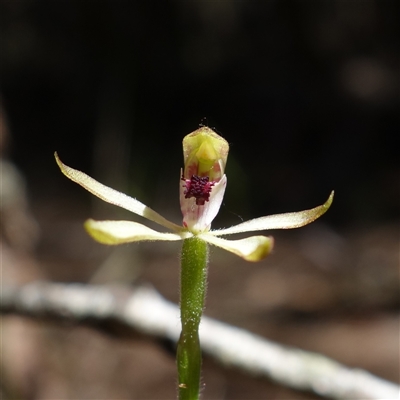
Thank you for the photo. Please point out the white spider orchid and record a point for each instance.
(202, 189)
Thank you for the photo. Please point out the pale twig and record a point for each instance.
(143, 310)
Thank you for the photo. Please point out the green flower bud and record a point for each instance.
(205, 154)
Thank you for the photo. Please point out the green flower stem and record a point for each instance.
(193, 289)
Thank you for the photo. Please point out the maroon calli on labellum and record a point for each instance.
(198, 187)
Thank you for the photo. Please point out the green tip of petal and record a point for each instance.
(119, 232)
(328, 203)
(253, 248)
(100, 235)
(302, 218)
(264, 247)
(59, 163)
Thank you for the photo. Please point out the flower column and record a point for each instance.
(201, 194)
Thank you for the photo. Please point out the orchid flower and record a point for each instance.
(202, 187)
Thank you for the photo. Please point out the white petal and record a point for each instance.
(198, 218)
(278, 221)
(118, 232)
(253, 248)
(114, 197)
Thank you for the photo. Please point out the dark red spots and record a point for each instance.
(198, 187)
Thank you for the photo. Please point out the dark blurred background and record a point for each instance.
(307, 95)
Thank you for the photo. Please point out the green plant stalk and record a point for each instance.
(194, 262)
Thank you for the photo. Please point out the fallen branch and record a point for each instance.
(143, 310)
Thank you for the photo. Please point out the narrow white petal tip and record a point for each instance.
(112, 196)
(118, 232)
(279, 221)
(253, 248)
